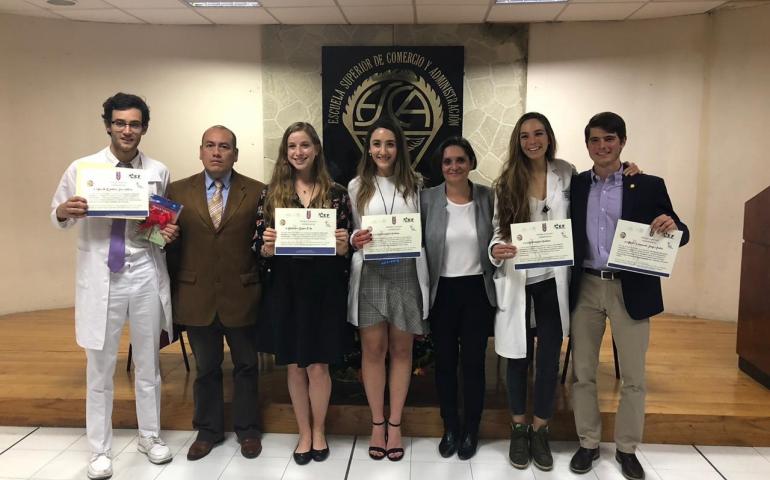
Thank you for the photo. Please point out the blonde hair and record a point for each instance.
(281, 192)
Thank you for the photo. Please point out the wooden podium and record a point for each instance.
(754, 307)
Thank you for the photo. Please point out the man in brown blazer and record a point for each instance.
(216, 289)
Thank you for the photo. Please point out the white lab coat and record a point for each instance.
(92, 279)
(510, 321)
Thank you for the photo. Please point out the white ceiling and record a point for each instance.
(387, 12)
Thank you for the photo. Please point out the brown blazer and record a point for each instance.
(215, 272)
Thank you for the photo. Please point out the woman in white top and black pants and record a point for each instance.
(533, 186)
(457, 226)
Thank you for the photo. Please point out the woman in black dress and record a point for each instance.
(304, 305)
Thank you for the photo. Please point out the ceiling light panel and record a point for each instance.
(222, 4)
(238, 16)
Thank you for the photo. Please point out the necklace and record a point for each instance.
(392, 201)
(310, 199)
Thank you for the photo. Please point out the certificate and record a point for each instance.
(305, 231)
(113, 192)
(542, 244)
(398, 235)
(636, 249)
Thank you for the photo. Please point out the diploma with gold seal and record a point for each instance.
(542, 244)
(398, 235)
(636, 249)
(305, 231)
(113, 192)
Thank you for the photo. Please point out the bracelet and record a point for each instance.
(263, 251)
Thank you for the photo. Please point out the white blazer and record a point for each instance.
(357, 261)
(510, 321)
(92, 278)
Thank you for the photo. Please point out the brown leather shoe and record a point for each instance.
(251, 447)
(199, 449)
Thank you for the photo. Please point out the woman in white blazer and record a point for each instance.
(457, 229)
(387, 299)
(534, 186)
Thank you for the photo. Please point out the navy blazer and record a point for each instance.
(644, 198)
(433, 204)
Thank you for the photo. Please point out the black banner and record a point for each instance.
(421, 87)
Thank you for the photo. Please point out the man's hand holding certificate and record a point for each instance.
(542, 244)
(305, 231)
(113, 192)
(637, 249)
(398, 235)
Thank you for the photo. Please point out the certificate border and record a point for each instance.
(386, 256)
(118, 213)
(309, 251)
(555, 263)
(639, 270)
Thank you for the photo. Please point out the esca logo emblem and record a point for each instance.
(117, 175)
(403, 95)
(307, 215)
(393, 220)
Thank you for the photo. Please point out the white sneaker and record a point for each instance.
(100, 466)
(155, 449)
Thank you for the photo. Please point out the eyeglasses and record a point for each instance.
(134, 126)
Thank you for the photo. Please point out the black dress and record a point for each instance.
(303, 314)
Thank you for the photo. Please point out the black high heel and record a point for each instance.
(378, 450)
(394, 454)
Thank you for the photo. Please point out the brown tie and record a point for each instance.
(215, 204)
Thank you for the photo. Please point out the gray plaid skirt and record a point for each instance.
(391, 293)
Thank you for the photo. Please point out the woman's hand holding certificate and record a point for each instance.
(542, 244)
(392, 236)
(305, 231)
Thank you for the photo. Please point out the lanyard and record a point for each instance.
(392, 201)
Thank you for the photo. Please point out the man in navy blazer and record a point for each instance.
(599, 198)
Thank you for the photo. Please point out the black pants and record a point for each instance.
(461, 321)
(208, 348)
(541, 296)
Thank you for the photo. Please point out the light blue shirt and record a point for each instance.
(211, 188)
(605, 205)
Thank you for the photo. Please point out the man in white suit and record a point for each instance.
(120, 276)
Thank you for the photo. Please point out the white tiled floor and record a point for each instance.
(62, 454)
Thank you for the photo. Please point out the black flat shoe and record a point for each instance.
(320, 455)
(630, 465)
(467, 448)
(303, 458)
(449, 443)
(582, 460)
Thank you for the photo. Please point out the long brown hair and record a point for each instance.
(512, 187)
(281, 192)
(407, 181)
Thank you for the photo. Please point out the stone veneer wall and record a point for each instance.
(494, 87)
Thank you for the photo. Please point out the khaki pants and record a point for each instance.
(598, 300)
